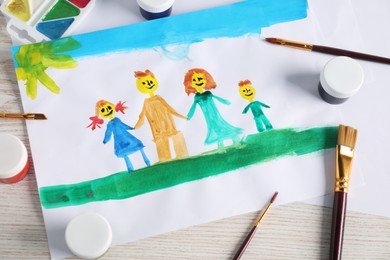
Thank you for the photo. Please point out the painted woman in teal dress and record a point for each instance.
(199, 82)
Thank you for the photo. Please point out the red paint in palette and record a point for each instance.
(80, 3)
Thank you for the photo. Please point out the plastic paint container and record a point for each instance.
(153, 9)
(31, 21)
(88, 235)
(340, 79)
(14, 163)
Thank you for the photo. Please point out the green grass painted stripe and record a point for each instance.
(254, 149)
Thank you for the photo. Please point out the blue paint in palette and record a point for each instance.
(54, 29)
(59, 18)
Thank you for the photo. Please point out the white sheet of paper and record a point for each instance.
(367, 111)
(279, 75)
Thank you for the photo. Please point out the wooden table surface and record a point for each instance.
(292, 231)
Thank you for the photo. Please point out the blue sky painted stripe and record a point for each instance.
(234, 20)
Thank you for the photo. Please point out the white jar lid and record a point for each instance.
(342, 77)
(155, 6)
(88, 235)
(13, 156)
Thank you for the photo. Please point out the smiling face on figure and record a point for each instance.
(106, 110)
(247, 91)
(198, 82)
(147, 84)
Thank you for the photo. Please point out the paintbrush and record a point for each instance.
(27, 116)
(345, 150)
(249, 237)
(328, 50)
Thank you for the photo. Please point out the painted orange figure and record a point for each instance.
(160, 117)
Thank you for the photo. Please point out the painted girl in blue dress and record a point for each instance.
(199, 82)
(124, 142)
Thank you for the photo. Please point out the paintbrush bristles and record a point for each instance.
(249, 237)
(260, 218)
(27, 116)
(347, 136)
(274, 197)
(39, 116)
(345, 151)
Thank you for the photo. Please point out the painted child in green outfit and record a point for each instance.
(248, 92)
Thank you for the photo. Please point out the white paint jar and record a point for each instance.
(14, 163)
(88, 235)
(340, 79)
(154, 9)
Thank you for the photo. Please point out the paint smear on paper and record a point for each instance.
(32, 61)
(177, 52)
(256, 148)
(234, 20)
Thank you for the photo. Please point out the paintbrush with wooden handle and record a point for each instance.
(27, 116)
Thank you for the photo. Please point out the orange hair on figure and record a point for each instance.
(140, 74)
(210, 83)
(96, 120)
(244, 82)
(101, 103)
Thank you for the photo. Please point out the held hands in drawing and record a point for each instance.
(160, 116)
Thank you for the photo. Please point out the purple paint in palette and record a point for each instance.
(32, 21)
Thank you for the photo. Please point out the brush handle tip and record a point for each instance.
(338, 223)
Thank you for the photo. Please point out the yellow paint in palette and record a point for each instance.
(20, 9)
(32, 21)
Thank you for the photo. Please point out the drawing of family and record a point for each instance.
(159, 115)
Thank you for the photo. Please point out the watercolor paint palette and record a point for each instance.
(32, 21)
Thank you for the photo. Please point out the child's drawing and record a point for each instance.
(124, 142)
(160, 117)
(199, 82)
(248, 92)
(211, 183)
(33, 60)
